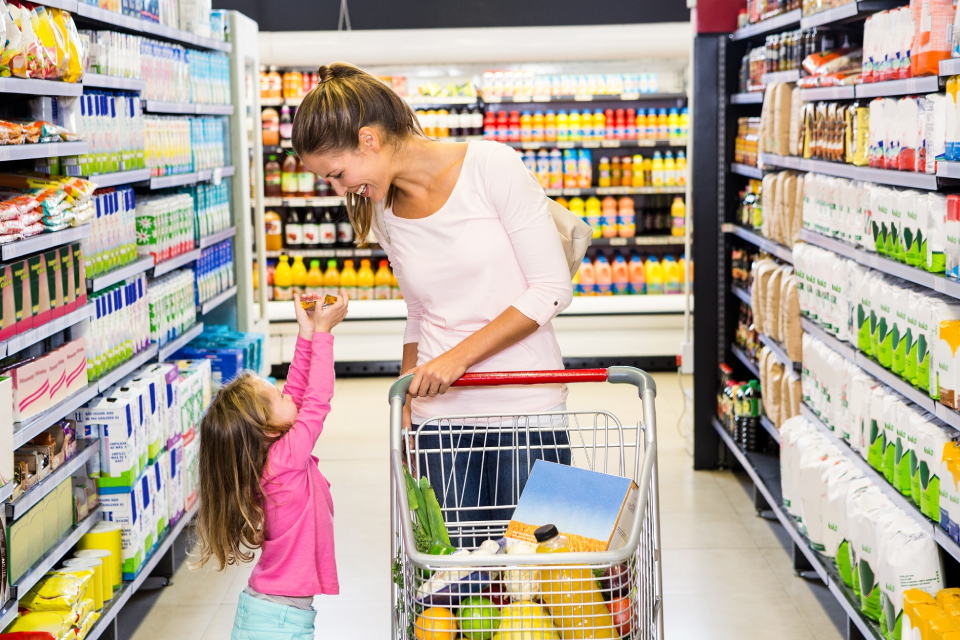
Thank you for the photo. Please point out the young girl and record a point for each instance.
(260, 487)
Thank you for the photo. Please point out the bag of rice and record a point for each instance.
(814, 461)
(909, 558)
(873, 429)
(863, 515)
(790, 434)
(837, 479)
(932, 437)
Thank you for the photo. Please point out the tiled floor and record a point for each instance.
(726, 573)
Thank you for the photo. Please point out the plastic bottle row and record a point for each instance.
(576, 126)
(308, 229)
(195, 16)
(292, 179)
(613, 218)
(637, 277)
(284, 279)
(119, 328)
(212, 202)
(172, 305)
(527, 83)
(112, 123)
(176, 145)
(112, 242)
(293, 84)
(214, 270)
(573, 168)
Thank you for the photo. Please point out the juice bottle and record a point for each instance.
(684, 122)
(669, 170)
(594, 218)
(383, 281)
(584, 168)
(331, 279)
(289, 178)
(543, 168)
(608, 223)
(638, 278)
(604, 276)
(571, 595)
(563, 126)
(616, 173)
(636, 178)
(673, 123)
(556, 169)
(573, 122)
(620, 126)
(604, 172)
(626, 220)
(577, 206)
(683, 271)
(348, 280)
(365, 281)
(586, 278)
(270, 123)
(626, 171)
(526, 127)
(671, 275)
(314, 282)
(298, 275)
(305, 181)
(272, 178)
(560, 200)
(489, 126)
(657, 170)
(621, 276)
(570, 169)
(654, 273)
(550, 126)
(610, 130)
(537, 128)
(283, 280)
(513, 129)
(647, 171)
(274, 231)
(678, 215)
(652, 124)
(443, 119)
(663, 128)
(640, 123)
(681, 170)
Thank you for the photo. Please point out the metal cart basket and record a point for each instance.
(477, 466)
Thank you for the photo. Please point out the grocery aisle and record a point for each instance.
(725, 571)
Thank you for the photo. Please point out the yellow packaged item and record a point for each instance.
(915, 616)
(861, 136)
(105, 535)
(52, 39)
(58, 591)
(948, 595)
(97, 585)
(81, 630)
(49, 621)
(525, 621)
(937, 626)
(73, 68)
(109, 584)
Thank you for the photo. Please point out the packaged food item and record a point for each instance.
(73, 50)
(29, 60)
(51, 39)
(14, 41)
(309, 300)
(58, 591)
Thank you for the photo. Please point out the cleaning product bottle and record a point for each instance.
(621, 276)
(298, 276)
(586, 277)
(331, 279)
(678, 215)
(571, 595)
(638, 278)
(314, 279)
(603, 275)
(348, 280)
(383, 281)
(671, 276)
(365, 281)
(282, 280)
(654, 273)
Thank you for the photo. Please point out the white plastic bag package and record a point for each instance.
(791, 432)
(836, 479)
(814, 461)
(909, 559)
(863, 517)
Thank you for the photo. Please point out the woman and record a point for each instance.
(480, 264)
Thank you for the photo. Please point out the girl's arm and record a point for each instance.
(299, 371)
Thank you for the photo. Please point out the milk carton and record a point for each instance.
(119, 450)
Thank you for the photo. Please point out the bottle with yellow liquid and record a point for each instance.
(298, 276)
(383, 282)
(678, 217)
(348, 280)
(669, 170)
(365, 281)
(571, 595)
(654, 272)
(636, 179)
(656, 168)
(283, 280)
(331, 279)
(315, 279)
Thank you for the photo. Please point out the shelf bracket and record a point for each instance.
(802, 566)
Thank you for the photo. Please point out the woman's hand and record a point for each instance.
(435, 377)
(305, 318)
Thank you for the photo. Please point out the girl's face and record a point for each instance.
(282, 407)
(364, 171)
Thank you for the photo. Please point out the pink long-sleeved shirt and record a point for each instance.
(297, 557)
(492, 245)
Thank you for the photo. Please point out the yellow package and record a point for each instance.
(81, 630)
(49, 621)
(73, 69)
(58, 591)
(861, 136)
(80, 612)
(51, 41)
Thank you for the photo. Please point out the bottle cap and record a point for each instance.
(546, 532)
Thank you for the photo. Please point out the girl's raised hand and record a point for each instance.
(325, 319)
(305, 318)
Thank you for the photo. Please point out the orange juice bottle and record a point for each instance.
(283, 280)
(314, 282)
(638, 278)
(571, 595)
(621, 276)
(383, 281)
(550, 126)
(365, 281)
(526, 127)
(641, 123)
(585, 279)
(331, 279)
(604, 276)
(348, 280)
(636, 179)
(298, 276)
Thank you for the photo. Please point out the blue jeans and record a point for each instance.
(261, 620)
(474, 469)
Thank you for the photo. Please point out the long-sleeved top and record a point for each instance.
(297, 557)
(492, 245)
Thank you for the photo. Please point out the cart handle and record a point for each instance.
(623, 375)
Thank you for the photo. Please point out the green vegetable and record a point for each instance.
(433, 513)
(441, 549)
(422, 538)
(413, 491)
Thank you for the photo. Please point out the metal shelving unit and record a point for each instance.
(583, 97)
(782, 22)
(111, 278)
(217, 300)
(175, 263)
(41, 150)
(890, 177)
(120, 177)
(773, 248)
(219, 236)
(85, 450)
(44, 241)
(600, 144)
(44, 331)
(176, 344)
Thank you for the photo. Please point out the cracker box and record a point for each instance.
(31, 388)
(54, 284)
(23, 298)
(80, 275)
(39, 290)
(68, 279)
(124, 506)
(8, 304)
(75, 353)
(58, 375)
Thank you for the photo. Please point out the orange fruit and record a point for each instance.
(436, 623)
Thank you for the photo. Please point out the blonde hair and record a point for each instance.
(235, 437)
(330, 117)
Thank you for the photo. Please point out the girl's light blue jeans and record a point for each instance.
(261, 620)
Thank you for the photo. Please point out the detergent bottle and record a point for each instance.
(604, 276)
(671, 276)
(621, 276)
(654, 272)
(638, 278)
(331, 279)
(587, 279)
(348, 280)
(383, 281)
(283, 280)
(365, 281)
(314, 283)
(298, 276)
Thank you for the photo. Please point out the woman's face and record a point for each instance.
(363, 171)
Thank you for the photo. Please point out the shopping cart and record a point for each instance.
(501, 595)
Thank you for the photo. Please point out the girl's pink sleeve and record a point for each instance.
(299, 370)
(294, 449)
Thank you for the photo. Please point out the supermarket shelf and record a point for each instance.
(157, 106)
(910, 86)
(175, 263)
(846, 92)
(120, 597)
(111, 278)
(875, 369)
(213, 109)
(948, 169)
(842, 170)
(25, 431)
(373, 252)
(777, 23)
(8, 613)
(85, 450)
(640, 241)
(948, 415)
(101, 81)
(441, 100)
(66, 5)
(950, 67)
(323, 201)
(599, 144)
(750, 97)
(615, 191)
(86, 13)
(176, 344)
(179, 35)
(52, 557)
(44, 242)
(770, 427)
(847, 12)
(219, 236)
(583, 97)
(779, 352)
(128, 367)
(182, 179)
(120, 177)
(40, 87)
(215, 174)
(771, 247)
(217, 300)
(741, 293)
(746, 170)
(5, 492)
(848, 352)
(41, 150)
(33, 336)
(745, 359)
(780, 76)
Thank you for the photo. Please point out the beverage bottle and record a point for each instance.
(503, 127)
(529, 160)
(314, 282)
(305, 181)
(476, 121)
(593, 216)
(331, 279)
(678, 214)
(673, 123)
(586, 125)
(608, 222)
(586, 278)
(681, 170)
(256, 280)
(550, 126)
(274, 231)
(288, 177)
(543, 168)
(348, 280)
(573, 123)
(443, 123)
(526, 127)
(286, 124)
(603, 275)
(626, 220)
(570, 169)
(321, 187)
(671, 275)
(537, 132)
(599, 124)
(345, 232)
(577, 206)
(514, 127)
(294, 230)
(610, 130)
(298, 275)
(654, 273)
(556, 169)
(563, 126)
(636, 177)
(311, 230)
(669, 170)
(640, 123)
(365, 281)
(560, 200)
(270, 121)
(638, 278)
(620, 124)
(490, 126)
(328, 230)
(626, 171)
(683, 270)
(584, 168)
(684, 122)
(604, 172)
(272, 178)
(663, 127)
(630, 133)
(571, 595)
(652, 124)
(271, 272)
(735, 421)
(616, 172)
(647, 171)
(657, 170)
(283, 280)
(750, 410)
(383, 282)
(593, 202)
(621, 276)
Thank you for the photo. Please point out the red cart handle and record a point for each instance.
(495, 378)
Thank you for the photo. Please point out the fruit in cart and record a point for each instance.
(615, 582)
(622, 616)
(525, 621)
(479, 618)
(436, 623)
(497, 593)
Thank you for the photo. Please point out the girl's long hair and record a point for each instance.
(235, 437)
(330, 117)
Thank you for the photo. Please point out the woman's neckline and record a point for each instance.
(456, 184)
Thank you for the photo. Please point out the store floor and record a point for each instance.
(726, 573)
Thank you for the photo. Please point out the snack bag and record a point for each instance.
(58, 591)
(73, 67)
(28, 62)
(51, 40)
(13, 40)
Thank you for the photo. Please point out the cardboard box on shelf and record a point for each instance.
(80, 275)
(39, 290)
(8, 305)
(112, 421)
(75, 352)
(57, 360)
(22, 296)
(124, 506)
(31, 388)
(6, 427)
(68, 277)
(54, 285)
